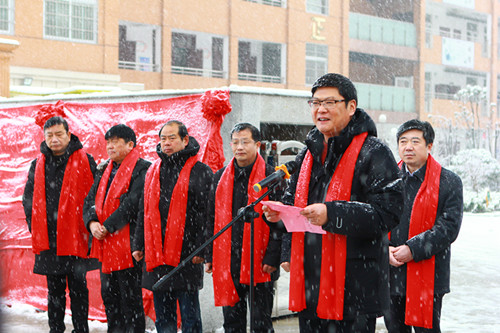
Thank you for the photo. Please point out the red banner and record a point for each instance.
(22, 134)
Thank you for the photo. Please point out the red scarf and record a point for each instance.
(168, 253)
(420, 275)
(72, 236)
(333, 252)
(114, 250)
(224, 291)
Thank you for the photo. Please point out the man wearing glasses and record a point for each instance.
(232, 190)
(348, 184)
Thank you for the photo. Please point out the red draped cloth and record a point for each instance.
(202, 113)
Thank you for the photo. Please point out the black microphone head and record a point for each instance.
(292, 167)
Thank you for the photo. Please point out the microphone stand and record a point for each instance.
(247, 214)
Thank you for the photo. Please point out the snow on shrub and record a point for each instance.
(485, 201)
(480, 174)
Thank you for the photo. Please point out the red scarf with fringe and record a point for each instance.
(168, 252)
(420, 275)
(224, 290)
(333, 252)
(72, 236)
(114, 251)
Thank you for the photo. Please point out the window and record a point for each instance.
(74, 20)
(7, 16)
(139, 47)
(428, 92)
(198, 53)
(498, 42)
(316, 61)
(317, 6)
(471, 31)
(446, 91)
(444, 32)
(275, 3)
(260, 61)
(428, 31)
(403, 81)
(472, 81)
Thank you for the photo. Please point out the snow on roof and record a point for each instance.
(270, 91)
(34, 95)
(8, 41)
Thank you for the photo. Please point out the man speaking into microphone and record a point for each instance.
(233, 189)
(349, 185)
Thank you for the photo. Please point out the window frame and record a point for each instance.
(71, 26)
(273, 3)
(203, 45)
(156, 50)
(317, 58)
(314, 8)
(10, 18)
(260, 52)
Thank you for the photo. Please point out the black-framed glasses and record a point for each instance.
(327, 103)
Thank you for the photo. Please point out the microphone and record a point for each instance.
(282, 172)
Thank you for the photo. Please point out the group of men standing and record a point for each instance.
(140, 220)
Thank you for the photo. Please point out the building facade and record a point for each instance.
(408, 58)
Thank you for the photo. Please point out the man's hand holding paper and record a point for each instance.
(297, 219)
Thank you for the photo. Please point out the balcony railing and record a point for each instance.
(138, 66)
(260, 78)
(198, 72)
(381, 30)
(385, 98)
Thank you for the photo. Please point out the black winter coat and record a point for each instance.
(374, 209)
(48, 262)
(435, 241)
(240, 199)
(190, 277)
(127, 212)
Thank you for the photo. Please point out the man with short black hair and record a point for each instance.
(172, 224)
(232, 190)
(58, 181)
(348, 184)
(110, 213)
(419, 249)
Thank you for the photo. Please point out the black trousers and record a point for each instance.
(122, 297)
(362, 324)
(235, 317)
(395, 317)
(79, 295)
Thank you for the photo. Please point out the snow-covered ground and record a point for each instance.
(472, 305)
